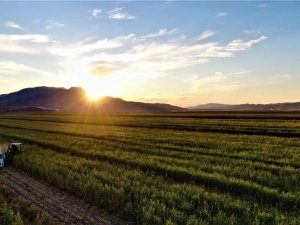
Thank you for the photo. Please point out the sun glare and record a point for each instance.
(93, 94)
(95, 87)
(100, 89)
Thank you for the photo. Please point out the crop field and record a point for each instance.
(175, 168)
(16, 210)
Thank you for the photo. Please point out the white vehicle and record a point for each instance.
(1, 160)
(8, 152)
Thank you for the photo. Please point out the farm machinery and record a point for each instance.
(7, 153)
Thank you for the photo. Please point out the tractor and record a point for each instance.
(8, 153)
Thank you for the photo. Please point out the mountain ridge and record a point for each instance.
(57, 99)
(285, 106)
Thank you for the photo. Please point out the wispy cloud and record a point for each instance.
(282, 76)
(202, 81)
(96, 12)
(222, 14)
(251, 32)
(13, 25)
(240, 45)
(205, 35)
(27, 43)
(51, 24)
(119, 14)
(131, 59)
(215, 83)
(239, 73)
(285, 76)
(136, 58)
(177, 39)
(160, 33)
(116, 14)
(87, 46)
(263, 5)
(11, 68)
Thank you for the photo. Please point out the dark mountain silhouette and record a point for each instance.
(49, 99)
(288, 106)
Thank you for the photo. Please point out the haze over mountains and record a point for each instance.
(51, 99)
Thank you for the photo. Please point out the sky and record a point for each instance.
(179, 52)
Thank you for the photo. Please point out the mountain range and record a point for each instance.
(287, 106)
(52, 99)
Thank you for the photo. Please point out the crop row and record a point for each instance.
(284, 178)
(143, 196)
(277, 151)
(15, 210)
(273, 147)
(277, 129)
(223, 178)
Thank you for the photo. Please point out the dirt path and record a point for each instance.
(65, 208)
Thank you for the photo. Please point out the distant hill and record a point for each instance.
(288, 106)
(50, 99)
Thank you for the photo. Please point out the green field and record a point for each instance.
(180, 168)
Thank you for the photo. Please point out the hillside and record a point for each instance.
(50, 99)
(288, 106)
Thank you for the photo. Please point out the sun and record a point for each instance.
(101, 88)
(93, 94)
(95, 87)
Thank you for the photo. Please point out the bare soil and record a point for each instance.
(65, 208)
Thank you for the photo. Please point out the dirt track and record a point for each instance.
(65, 208)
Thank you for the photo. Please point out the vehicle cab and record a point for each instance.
(15, 148)
(1, 160)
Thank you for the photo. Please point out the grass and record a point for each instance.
(180, 168)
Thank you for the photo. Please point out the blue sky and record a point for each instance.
(177, 52)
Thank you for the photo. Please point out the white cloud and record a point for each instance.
(51, 24)
(279, 78)
(240, 45)
(132, 59)
(179, 39)
(12, 68)
(119, 14)
(13, 25)
(96, 12)
(116, 14)
(239, 73)
(22, 43)
(221, 14)
(156, 59)
(86, 46)
(282, 76)
(251, 32)
(205, 35)
(217, 77)
(215, 83)
(160, 33)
